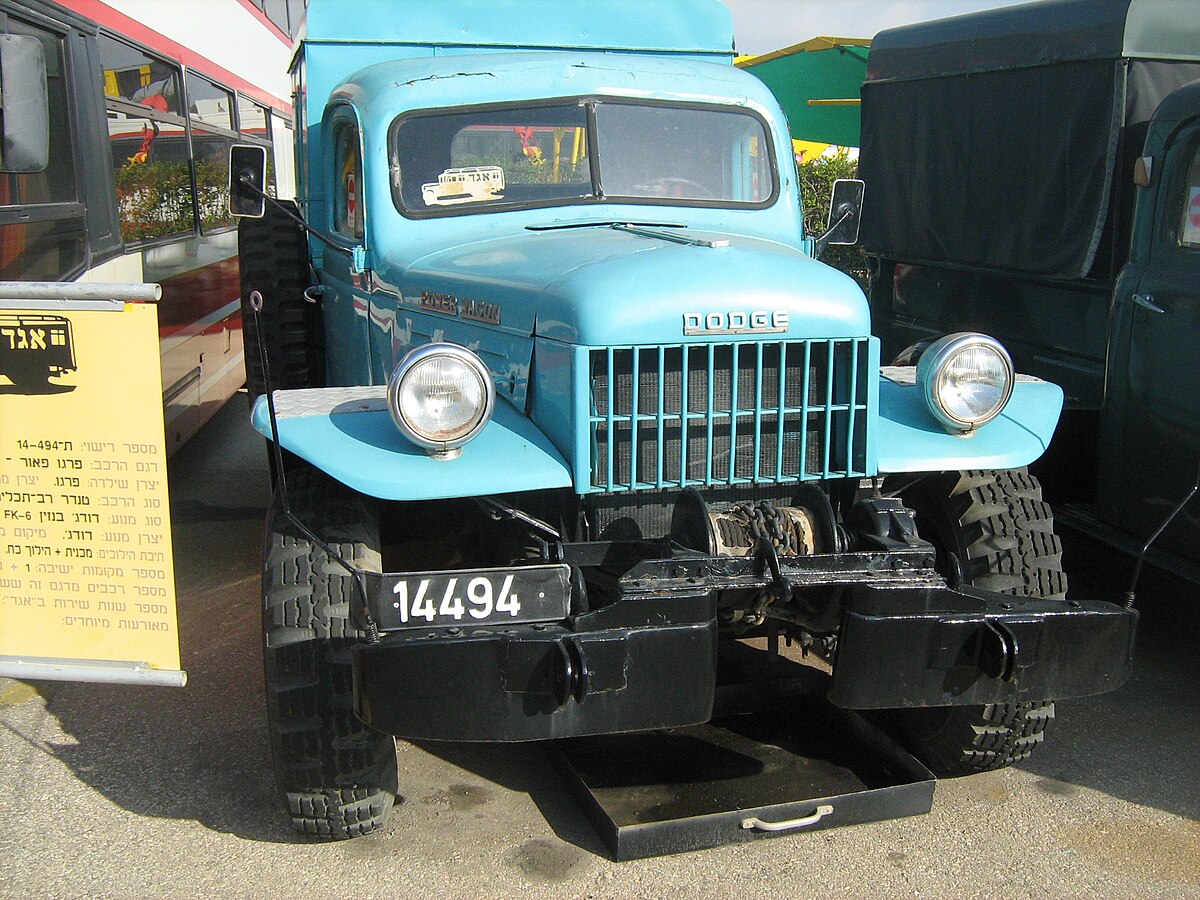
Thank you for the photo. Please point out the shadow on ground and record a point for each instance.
(1138, 743)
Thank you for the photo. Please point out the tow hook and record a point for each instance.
(571, 674)
(998, 651)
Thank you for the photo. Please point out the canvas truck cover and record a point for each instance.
(997, 140)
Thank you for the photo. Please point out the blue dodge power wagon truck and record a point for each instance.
(560, 399)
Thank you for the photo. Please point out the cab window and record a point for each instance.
(347, 183)
(1189, 217)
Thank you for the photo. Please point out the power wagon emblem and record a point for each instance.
(759, 320)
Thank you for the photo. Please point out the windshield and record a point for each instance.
(586, 151)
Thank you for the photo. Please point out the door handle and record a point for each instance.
(1146, 301)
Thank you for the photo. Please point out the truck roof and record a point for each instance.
(1038, 34)
(693, 27)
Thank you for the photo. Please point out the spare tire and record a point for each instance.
(273, 258)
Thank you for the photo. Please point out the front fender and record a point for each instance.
(348, 433)
(909, 439)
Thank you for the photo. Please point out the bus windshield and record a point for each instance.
(586, 151)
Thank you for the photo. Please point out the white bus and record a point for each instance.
(145, 98)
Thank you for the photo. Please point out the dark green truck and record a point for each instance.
(1034, 173)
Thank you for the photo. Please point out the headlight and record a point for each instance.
(966, 379)
(441, 396)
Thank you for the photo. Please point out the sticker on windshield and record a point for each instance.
(468, 184)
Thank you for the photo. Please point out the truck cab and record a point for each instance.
(560, 401)
(1153, 344)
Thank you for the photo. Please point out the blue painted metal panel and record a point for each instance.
(665, 26)
(342, 37)
(366, 452)
(598, 286)
(909, 439)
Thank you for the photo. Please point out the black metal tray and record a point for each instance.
(802, 763)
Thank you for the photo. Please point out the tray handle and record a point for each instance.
(787, 825)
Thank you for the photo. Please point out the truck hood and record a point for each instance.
(603, 286)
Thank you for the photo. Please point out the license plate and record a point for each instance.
(473, 597)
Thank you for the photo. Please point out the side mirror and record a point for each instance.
(247, 180)
(845, 212)
(25, 104)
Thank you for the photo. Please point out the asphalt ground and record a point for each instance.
(117, 791)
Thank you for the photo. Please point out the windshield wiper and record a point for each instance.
(605, 223)
(642, 231)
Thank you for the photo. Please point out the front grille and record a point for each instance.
(674, 416)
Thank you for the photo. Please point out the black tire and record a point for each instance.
(273, 258)
(992, 530)
(337, 775)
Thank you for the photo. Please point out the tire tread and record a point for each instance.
(1002, 532)
(336, 774)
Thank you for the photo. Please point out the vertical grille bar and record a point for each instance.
(829, 373)
(803, 468)
(662, 415)
(734, 363)
(758, 404)
(635, 355)
(610, 426)
(854, 349)
(684, 420)
(781, 418)
(708, 467)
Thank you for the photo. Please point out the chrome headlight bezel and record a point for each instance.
(938, 360)
(411, 362)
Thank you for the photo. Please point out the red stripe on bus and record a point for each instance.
(191, 296)
(117, 21)
(262, 17)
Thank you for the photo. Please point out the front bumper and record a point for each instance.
(615, 670)
(648, 660)
(905, 647)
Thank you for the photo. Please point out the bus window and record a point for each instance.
(210, 152)
(252, 119)
(134, 75)
(254, 124)
(210, 113)
(209, 104)
(148, 141)
(154, 183)
(41, 218)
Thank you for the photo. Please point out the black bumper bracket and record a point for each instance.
(904, 647)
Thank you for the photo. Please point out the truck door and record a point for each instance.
(345, 298)
(1160, 445)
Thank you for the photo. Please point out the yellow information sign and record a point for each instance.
(87, 589)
